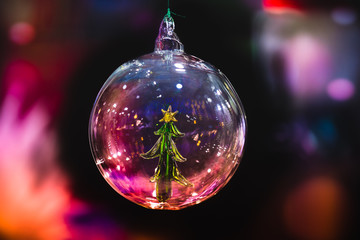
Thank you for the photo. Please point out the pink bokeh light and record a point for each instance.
(21, 33)
(341, 89)
(31, 207)
(21, 77)
(309, 63)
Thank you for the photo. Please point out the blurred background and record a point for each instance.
(294, 64)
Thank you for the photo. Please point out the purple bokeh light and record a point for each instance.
(341, 89)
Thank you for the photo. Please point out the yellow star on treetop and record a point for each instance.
(168, 115)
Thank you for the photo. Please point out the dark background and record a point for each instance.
(76, 45)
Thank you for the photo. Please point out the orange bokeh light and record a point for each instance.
(315, 209)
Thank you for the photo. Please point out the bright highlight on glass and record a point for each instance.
(167, 130)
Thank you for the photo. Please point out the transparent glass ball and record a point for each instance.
(167, 130)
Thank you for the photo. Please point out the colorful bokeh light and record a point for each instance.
(21, 33)
(341, 89)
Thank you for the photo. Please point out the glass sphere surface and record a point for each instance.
(127, 112)
(167, 130)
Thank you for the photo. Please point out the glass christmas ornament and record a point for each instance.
(167, 130)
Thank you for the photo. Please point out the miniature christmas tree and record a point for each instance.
(168, 154)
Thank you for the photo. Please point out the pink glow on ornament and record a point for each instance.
(341, 89)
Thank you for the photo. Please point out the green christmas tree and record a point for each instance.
(168, 154)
